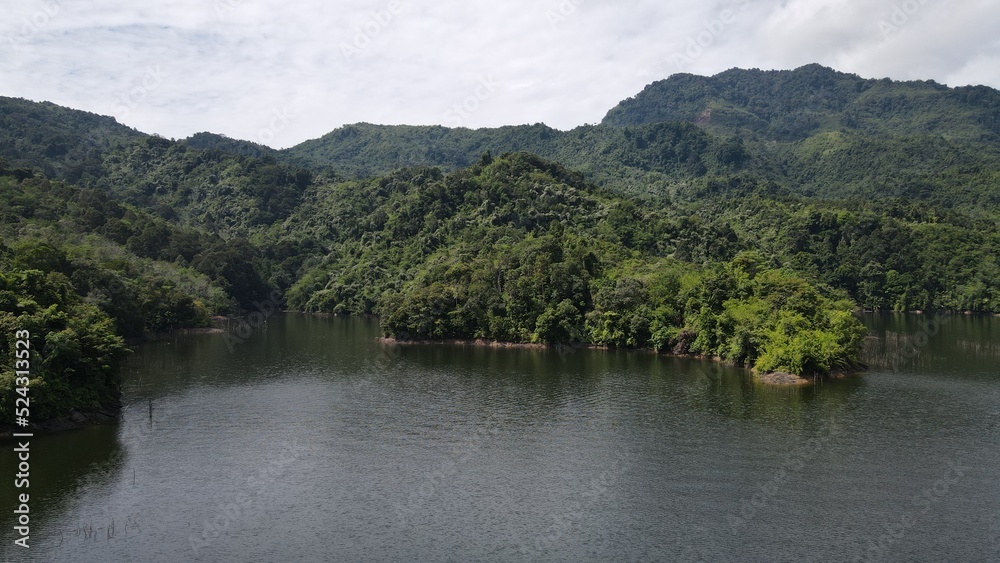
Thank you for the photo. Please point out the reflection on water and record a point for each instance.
(960, 344)
(63, 467)
(312, 441)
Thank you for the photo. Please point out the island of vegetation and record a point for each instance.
(745, 217)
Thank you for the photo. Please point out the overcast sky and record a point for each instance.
(283, 71)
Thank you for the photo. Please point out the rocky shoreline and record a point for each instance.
(783, 379)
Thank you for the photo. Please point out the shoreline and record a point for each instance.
(78, 419)
(938, 312)
(156, 336)
(75, 420)
(776, 379)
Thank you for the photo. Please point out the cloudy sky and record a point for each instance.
(283, 71)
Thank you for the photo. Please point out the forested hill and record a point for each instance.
(519, 249)
(811, 131)
(748, 242)
(60, 142)
(648, 161)
(787, 105)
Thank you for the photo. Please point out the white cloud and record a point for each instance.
(232, 66)
(974, 71)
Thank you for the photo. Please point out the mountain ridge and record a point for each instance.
(746, 243)
(811, 131)
(751, 100)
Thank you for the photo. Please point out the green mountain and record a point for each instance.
(810, 131)
(60, 142)
(650, 161)
(227, 193)
(789, 105)
(520, 249)
(742, 216)
(207, 141)
(79, 271)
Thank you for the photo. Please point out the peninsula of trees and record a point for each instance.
(746, 216)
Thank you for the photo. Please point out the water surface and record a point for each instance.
(312, 442)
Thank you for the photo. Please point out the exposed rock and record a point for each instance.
(783, 378)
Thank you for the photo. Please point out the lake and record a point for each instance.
(311, 441)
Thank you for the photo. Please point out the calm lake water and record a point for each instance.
(312, 442)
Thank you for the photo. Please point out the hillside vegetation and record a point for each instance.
(744, 216)
(80, 271)
(519, 249)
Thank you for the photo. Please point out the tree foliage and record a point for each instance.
(741, 216)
